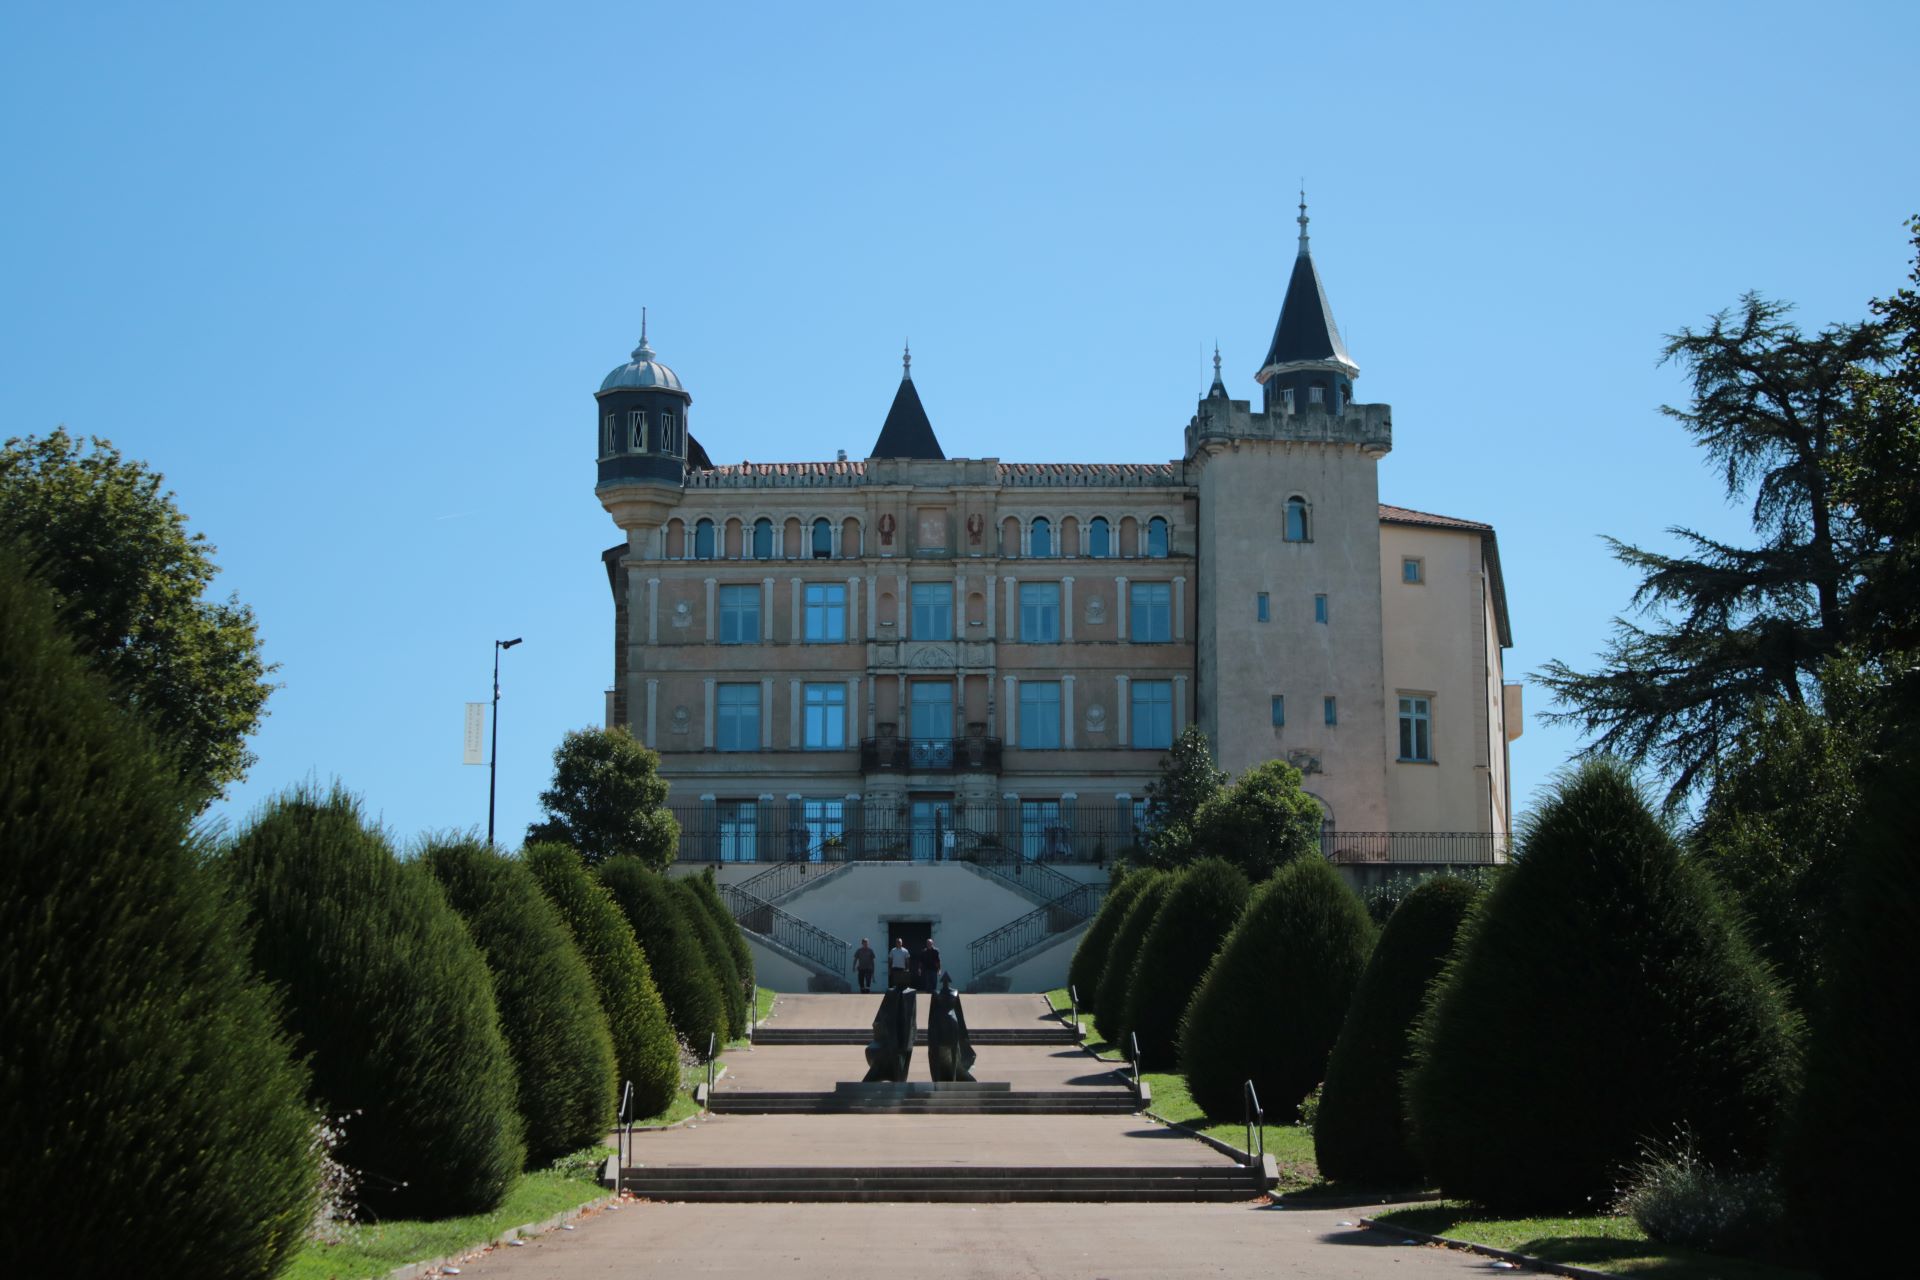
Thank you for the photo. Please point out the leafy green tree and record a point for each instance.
(152, 1119)
(608, 800)
(549, 1010)
(1200, 910)
(130, 580)
(388, 998)
(1188, 779)
(1601, 997)
(1260, 823)
(688, 985)
(643, 1041)
(1725, 627)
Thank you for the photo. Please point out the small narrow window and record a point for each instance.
(607, 444)
(1279, 710)
(823, 539)
(703, 540)
(1319, 608)
(1099, 538)
(637, 431)
(1316, 394)
(763, 539)
(1040, 537)
(1299, 526)
(1332, 710)
(1260, 609)
(1157, 539)
(1286, 400)
(1413, 569)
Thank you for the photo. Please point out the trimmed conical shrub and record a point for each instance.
(1859, 1096)
(1600, 999)
(389, 998)
(719, 957)
(1360, 1133)
(1199, 912)
(688, 986)
(643, 1042)
(708, 890)
(152, 1120)
(1090, 955)
(1272, 1002)
(549, 1010)
(1110, 1007)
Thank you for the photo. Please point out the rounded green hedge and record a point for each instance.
(152, 1119)
(1360, 1133)
(387, 994)
(1090, 954)
(688, 986)
(1199, 911)
(549, 1010)
(1110, 1006)
(708, 890)
(719, 956)
(1601, 998)
(644, 1049)
(1271, 1004)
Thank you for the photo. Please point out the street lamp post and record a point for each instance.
(493, 756)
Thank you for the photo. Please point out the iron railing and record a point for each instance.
(1034, 928)
(1031, 877)
(1256, 1124)
(930, 755)
(1434, 848)
(757, 915)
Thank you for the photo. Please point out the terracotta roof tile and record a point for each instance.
(1405, 515)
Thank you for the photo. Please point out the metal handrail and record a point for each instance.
(1133, 1056)
(1256, 1123)
(625, 1116)
(1073, 1008)
(1033, 928)
(1026, 873)
(790, 931)
(712, 1053)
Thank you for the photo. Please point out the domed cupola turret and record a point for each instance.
(642, 420)
(1307, 369)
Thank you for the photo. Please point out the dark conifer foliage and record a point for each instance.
(1110, 1008)
(549, 1010)
(1360, 1134)
(1601, 998)
(1090, 956)
(719, 956)
(1200, 910)
(709, 893)
(387, 994)
(688, 986)
(1273, 1000)
(643, 1040)
(152, 1119)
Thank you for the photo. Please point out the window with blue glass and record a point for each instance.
(1279, 710)
(822, 539)
(1331, 709)
(1040, 537)
(1416, 729)
(1040, 612)
(933, 611)
(1150, 612)
(1299, 520)
(763, 539)
(826, 612)
(1413, 569)
(703, 540)
(1152, 715)
(825, 721)
(1040, 715)
(739, 615)
(738, 826)
(1262, 611)
(1319, 608)
(1042, 833)
(1157, 546)
(1099, 538)
(737, 717)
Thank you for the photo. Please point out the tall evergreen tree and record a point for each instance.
(688, 985)
(1090, 954)
(1201, 908)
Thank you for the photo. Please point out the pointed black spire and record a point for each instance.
(1306, 355)
(1218, 391)
(907, 433)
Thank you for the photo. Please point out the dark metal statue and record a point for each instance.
(891, 1051)
(950, 1055)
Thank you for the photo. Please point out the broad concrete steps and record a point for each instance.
(767, 1036)
(973, 1184)
(1069, 1102)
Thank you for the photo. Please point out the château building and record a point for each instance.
(963, 672)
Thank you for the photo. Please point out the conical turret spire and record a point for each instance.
(906, 432)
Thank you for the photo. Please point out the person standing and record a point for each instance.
(863, 966)
(897, 965)
(927, 967)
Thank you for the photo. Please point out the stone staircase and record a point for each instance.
(969, 1184)
(774, 1034)
(925, 1098)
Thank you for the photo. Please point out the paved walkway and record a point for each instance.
(855, 1012)
(972, 1242)
(818, 1067)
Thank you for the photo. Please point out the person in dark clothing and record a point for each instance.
(926, 967)
(863, 966)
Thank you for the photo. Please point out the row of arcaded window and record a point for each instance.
(762, 541)
(1098, 540)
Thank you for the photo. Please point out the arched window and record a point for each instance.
(763, 539)
(1299, 520)
(1040, 537)
(1157, 538)
(1099, 538)
(703, 540)
(823, 539)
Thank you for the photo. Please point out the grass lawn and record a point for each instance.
(1604, 1243)
(378, 1248)
(763, 1004)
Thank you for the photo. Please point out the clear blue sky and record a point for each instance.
(349, 275)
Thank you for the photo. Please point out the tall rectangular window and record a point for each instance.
(825, 722)
(1150, 612)
(825, 822)
(739, 615)
(1040, 612)
(1279, 710)
(1152, 718)
(1040, 715)
(1330, 709)
(826, 612)
(737, 717)
(1319, 608)
(1042, 834)
(1416, 729)
(739, 830)
(933, 611)
(1261, 611)
(637, 431)
(930, 710)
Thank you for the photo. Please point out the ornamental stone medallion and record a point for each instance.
(1096, 719)
(683, 614)
(681, 719)
(1096, 610)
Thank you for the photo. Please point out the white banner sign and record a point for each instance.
(476, 732)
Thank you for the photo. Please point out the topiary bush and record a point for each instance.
(688, 985)
(644, 1049)
(1090, 954)
(719, 957)
(708, 890)
(1361, 1132)
(549, 1011)
(1200, 907)
(389, 998)
(1110, 1005)
(1271, 1004)
(1601, 997)
(152, 1119)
